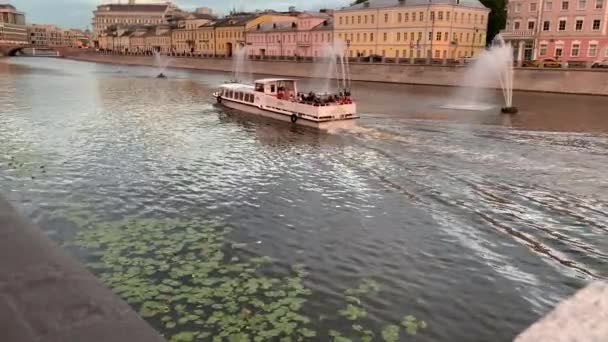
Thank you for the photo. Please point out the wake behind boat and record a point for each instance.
(279, 99)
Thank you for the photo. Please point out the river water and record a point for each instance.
(475, 222)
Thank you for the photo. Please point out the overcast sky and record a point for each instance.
(78, 13)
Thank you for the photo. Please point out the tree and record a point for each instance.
(497, 18)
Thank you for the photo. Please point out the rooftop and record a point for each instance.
(276, 26)
(235, 21)
(133, 8)
(405, 3)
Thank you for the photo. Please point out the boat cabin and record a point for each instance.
(280, 88)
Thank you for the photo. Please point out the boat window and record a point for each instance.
(251, 98)
(230, 93)
(259, 87)
(272, 88)
(241, 96)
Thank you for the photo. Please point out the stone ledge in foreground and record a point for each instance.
(46, 296)
(581, 318)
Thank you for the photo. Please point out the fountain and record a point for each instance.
(493, 68)
(334, 66)
(240, 65)
(161, 62)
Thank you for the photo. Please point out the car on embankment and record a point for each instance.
(600, 63)
(543, 63)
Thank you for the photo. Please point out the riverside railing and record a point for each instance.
(454, 62)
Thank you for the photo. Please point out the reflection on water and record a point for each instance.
(466, 219)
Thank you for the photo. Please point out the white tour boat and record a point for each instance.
(279, 99)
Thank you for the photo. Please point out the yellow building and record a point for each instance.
(158, 39)
(184, 38)
(204, 37)
(230, 32)
(413, 28)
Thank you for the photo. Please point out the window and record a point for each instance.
(543, 50)
(530, 25)
(599, 4)
(365, 19)
(365, 37)
(575, 49)
(565, 5)
(582, 4)
(438, 36)
(533, 7)
(578, 26)
(399, 17)
(358, 36)
(371, 37)
(516, 25)
(546, 25)
(398, 36)
(445, 36)
(559, 51)
(346, 20)
(517, 7)
(596, 25)
(592, 50)
(419, 36)
(548, 6)
(421, 16)
(430, 36)
(432, 15)
(412, 36)
(437, 53)
(386, 18)
(440, 15)
(384, 36)
(407, 16)
(562, 25)
(467, 37)
(372, 18)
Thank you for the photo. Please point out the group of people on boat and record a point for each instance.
(314, 99)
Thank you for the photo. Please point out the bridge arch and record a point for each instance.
(12, 50)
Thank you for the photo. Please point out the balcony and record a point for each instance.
(517, 34)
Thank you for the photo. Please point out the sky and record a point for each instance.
(78, 13)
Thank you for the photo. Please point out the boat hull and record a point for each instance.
(322, 125)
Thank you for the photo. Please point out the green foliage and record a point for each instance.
(497, 19)
(176, 274)
(390, 333)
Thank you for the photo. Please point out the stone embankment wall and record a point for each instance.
(47, 296)
(568, 81)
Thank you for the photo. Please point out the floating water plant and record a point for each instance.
(180, 277)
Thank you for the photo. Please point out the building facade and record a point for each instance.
(446, 29)
(130, 14)
(230, 32)
(568, 30)
(205, 39)
(45, 35)
(12, 26)
(306, 35)
(184, 37)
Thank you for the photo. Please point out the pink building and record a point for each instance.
(570, 30)
(304, 36)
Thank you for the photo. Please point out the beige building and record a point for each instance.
(12, 25)
(74, 38)
(45, 35)
(413, 28)
(230, 31)
(130, 14)
(158, 39)
(205, 40)
(137, 40)
(184, 37)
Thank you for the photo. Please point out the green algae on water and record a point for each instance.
(179, 276)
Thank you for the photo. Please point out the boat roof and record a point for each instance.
(237, 86)
(273, 80)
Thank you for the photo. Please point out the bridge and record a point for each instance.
(14, 50)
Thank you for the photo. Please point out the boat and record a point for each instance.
(279, 99)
